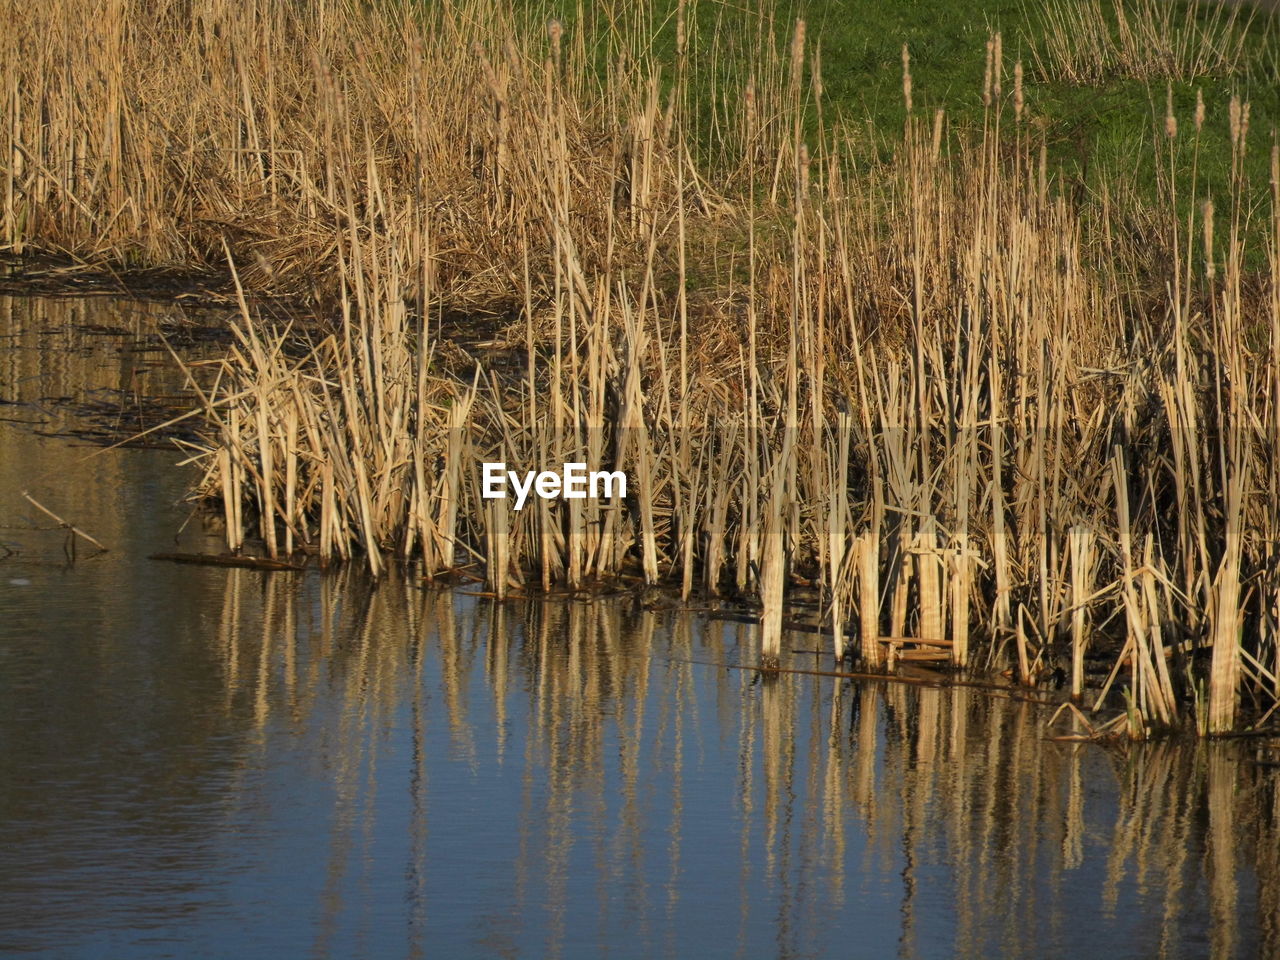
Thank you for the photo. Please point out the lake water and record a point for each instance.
(213, 762)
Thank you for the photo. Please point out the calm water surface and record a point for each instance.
(228, 763)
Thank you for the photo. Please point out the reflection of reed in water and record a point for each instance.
(81, 367)
(938, 818)
(49, 353)
(102, 356)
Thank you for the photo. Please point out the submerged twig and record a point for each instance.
(61, 522)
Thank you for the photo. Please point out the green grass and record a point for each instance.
(862, 42)
(1096, 134)
(1093, 133)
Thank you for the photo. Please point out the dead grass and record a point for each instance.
(930, 386)
(1091, 41)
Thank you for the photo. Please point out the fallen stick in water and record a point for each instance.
(227, 560)
(74, 529)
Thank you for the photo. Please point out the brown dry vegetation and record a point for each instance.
(974, 411)
(1088, 40)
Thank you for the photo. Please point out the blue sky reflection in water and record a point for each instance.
(207, 762)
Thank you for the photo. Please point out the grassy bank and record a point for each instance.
(983, 402)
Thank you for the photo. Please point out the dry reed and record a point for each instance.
(926, 386)
(1087, 41)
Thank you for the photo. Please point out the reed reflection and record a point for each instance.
(614, 790)
(90, 369)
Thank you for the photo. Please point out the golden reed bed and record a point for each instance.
(973, 409)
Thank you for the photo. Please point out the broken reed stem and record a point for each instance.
(867, 550)
(1083, 559)
(62, 523)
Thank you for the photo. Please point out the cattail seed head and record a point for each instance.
(490, 75)
(986, 77)
(1233, 113)
(797, 44)
(1199, 110)
(1207, 211)
(997, 62)
(1017, 90)
(906, 77)
(1170, 121)
(555, 30)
